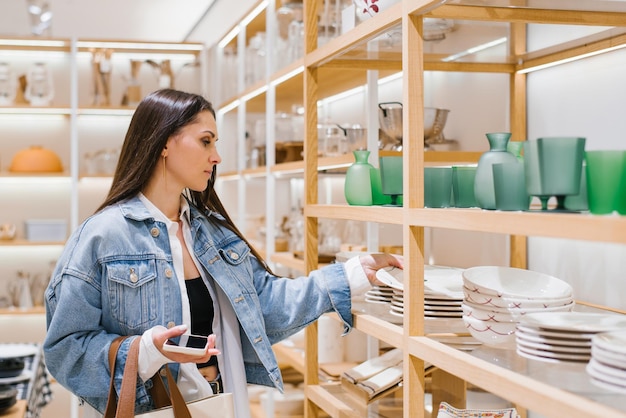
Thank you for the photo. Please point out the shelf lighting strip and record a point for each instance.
(475, 49)
(246, 20)
(359, 89)
(287, 76)
(570, 59)
(140, 45)
(38, 43)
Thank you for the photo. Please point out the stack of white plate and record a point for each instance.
(563, 336)
(607, 366)
(497, 298)
(443, 293)
(379, 294)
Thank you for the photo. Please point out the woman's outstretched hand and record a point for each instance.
(373, 262)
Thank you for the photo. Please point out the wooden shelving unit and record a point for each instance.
(342, 64)
(70, 126)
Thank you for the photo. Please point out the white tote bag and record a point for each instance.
(215, 406)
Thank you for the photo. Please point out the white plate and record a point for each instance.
(564, 335)
(585, 322)
(540, 358)
(608, 357)
(598, 374)
(608, 370)
(608, 386)
(552, 348)
(371, 300)
(25, 375)
(435, 314)
(614, 341)
(562, 342)
(445, 282)
(394, 313)
(553, 355)
(17, 350)
(443, 308)
(378, 298)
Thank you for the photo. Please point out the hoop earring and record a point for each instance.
(164, 174)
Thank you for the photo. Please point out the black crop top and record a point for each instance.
(201, 306)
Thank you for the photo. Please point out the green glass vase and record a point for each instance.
(484, 191)
(358, 184)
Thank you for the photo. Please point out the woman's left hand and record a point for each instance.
(373, 262)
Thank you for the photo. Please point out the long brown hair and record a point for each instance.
(160, 115)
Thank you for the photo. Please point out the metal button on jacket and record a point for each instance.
(234, 255)
(169, 273)
(155, 232)
(133, 276)
(171, 324)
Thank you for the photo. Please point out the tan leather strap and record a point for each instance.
(125, 406)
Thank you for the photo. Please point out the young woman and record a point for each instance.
(161, 257)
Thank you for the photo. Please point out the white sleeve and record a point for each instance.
(357, 279)
(150, 358)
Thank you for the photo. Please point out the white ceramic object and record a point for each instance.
(488, 300)
(614, 341)
(495, 334)
(515, 283)
(581, 322)
(366, 9)
(504, 314)
(439, 282)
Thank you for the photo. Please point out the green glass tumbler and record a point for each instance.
(391, 177)
(532, 173)
(437, 187)
(463, 186)
(604, 175)
(560, 166)
(510, 186)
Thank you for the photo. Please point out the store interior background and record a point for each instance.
(556, 107)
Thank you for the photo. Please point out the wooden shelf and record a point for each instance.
(388, 215)
(530, 392)
(605, 228)
(38, 310)
(27, 243)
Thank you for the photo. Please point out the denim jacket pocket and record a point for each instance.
(235, 252)
(132, 292)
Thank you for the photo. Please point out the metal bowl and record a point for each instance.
(434, 121)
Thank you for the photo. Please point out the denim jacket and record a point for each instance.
(116, 277)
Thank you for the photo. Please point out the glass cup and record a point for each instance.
(463, 186)
(391, 177)
(579, 202)
(604, 173)
(437, 187)
(510, 186)
(560, 163)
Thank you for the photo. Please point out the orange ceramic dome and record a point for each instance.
(36, 159)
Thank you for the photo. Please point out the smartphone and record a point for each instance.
(194, 345)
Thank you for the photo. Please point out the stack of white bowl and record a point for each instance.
(496, 298)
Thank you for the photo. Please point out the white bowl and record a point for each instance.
(515, 283)
(504, 314)
(495, 334)
(504, 302)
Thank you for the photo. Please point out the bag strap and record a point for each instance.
(125, 406)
